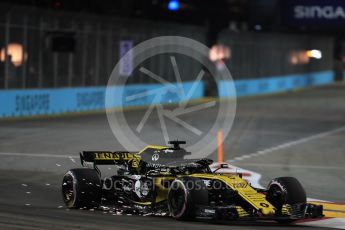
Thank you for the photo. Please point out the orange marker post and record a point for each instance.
(220, 146)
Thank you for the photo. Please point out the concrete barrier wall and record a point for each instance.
(274, 84)
(24, 103)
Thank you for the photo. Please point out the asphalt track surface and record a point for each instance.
(297, 134)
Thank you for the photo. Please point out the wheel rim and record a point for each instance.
(276, 196)
(177, 201)
(68, 190)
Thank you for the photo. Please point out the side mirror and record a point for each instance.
(224, 166)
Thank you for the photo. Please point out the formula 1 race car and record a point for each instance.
(159, 180)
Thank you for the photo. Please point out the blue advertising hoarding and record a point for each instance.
(25, 103)
(276, 84)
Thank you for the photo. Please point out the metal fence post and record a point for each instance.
(84, 54)
(71, 62)
(24, 51)
(40, 56)
(7, 39)
(109, 50)
(98, 35)
(55, 61)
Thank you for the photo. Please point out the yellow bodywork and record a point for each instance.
(162, 192)
(257, 200)
(153, 147)
(241, 212)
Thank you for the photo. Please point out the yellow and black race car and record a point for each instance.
(159, 180)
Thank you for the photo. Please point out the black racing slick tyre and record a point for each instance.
(286, 190)
(81, 188)
(184, 197)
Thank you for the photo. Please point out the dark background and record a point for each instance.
(76, 43)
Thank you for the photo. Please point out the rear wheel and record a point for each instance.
(185, 195)
(287, 190)
(81, 188)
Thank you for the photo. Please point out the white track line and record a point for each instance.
(258, 153)
(321, 167)
(38, 155)
(288, 144)
(337, 223)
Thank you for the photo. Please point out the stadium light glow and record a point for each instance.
(219, 52)
(314, 54)
(299, 57)
(15, 51)
(173, 5)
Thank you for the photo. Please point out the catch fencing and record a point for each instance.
(50, 49)
(58, 62)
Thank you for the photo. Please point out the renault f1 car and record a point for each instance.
(159, 180)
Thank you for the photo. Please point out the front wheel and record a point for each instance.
(185, 195)
(287, 191)
(81, 188)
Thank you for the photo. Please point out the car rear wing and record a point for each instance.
(108, 158)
